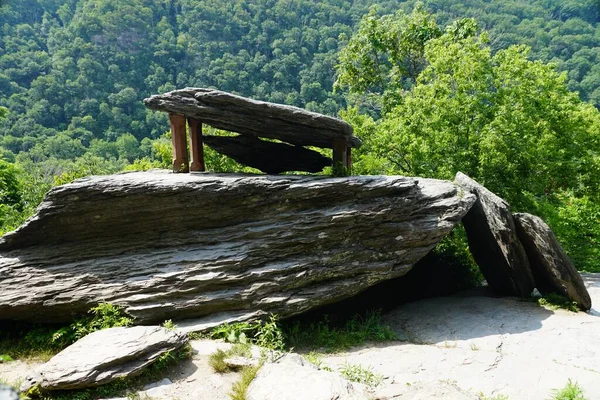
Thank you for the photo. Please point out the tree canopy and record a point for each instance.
(507, 121)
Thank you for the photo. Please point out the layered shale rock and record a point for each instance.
(104, 356)
(494, 243)
(246, 116)
(219, 247)
(552, 270)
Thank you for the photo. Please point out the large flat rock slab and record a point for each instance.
(494, 243)
(246, 116)
(218, 247)
(104, 356)
(486, 345)
(552, 269)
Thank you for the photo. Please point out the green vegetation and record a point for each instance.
(359, 374)
(571, 391)
(238, 390)
(507, 121)
(265, 334)
(25, 341)
(497, 397)
(323, 336)
(555, 301)
(216, 359)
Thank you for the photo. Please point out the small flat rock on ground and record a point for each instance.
(104, 356)
(422, 391)
(293, 378)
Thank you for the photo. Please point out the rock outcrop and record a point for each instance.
(292, 378)
(218, 247)
(552, 270)
(494, 243)
(269, 157)
(246, 116)
(104, 356)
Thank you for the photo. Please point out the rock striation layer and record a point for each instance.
(552, 270)
(494, 243)
(218, 247)
(104, 356)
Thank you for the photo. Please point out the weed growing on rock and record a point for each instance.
(571, 391)
(169, 324)
(316, 359)
(497, 397)
(239, 388)
(323, 336)
(357, 373)
(556, 301)
(217, 361)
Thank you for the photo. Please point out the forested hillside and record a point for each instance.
(76, 70)
(73, 74)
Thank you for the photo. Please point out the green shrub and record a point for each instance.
(324, 336)
(265, 334)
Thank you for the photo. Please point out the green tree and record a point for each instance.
(386, 54)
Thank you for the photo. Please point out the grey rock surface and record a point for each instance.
(494, 243)
(269, 157)
(234, 113)
(293, 378)
(552, 269)
(423, 391)
(177, 246)
(104, 356)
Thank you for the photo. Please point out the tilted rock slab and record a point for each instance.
(552, 269)
(246, 116)
(293, 378)
(221, 247)
(104, 356)
(494, 243)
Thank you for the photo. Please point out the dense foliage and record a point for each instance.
(431, 90)
(509, 122)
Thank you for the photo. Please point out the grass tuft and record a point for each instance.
(239, 388)
(217, 359)
(357, 373)
(571, 391)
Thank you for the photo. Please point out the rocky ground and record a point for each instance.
(460, 347)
